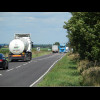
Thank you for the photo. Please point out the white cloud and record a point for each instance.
(30, 18)
(47, 20)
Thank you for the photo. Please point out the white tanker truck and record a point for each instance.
(20, 48)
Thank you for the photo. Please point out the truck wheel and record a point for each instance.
(30, 58)
(25, 60)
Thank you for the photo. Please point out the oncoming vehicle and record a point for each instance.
(62, 48)
(3, 62)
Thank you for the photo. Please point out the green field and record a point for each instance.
(64, 73)
(5, 51)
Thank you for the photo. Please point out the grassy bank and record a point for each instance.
(64, 73)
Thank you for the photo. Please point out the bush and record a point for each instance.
(90, 72)
(82, 65)
(91, 76)
(85, 64)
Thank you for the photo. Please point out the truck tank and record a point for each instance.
(17, 46)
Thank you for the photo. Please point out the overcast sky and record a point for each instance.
(45, 27)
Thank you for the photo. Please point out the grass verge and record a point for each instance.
(64, 73)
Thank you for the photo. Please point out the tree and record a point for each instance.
(57, 43)
(0, 46)
(84, 34)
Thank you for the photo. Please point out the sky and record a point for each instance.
(44, 27)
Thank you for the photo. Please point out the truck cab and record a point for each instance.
(62, 49)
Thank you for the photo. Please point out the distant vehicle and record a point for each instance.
(49, 49)
(62, 48)
(38, 48)
(67, 49)
(20, 48)
(3, 62)
(55, 49)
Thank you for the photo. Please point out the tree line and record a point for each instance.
(83, 30)
(42, 45)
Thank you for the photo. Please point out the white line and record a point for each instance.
(9, 70)
(46, 72)
(25, 64)
(0, 74)
(18, 66)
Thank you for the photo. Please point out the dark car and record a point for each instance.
(3, 62)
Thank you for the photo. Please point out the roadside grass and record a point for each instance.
(43, 51)
(64, 73)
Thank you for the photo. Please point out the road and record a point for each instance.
(27, 74)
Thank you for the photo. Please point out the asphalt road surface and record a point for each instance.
(27, 74)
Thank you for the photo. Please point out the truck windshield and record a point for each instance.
(62, 46)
